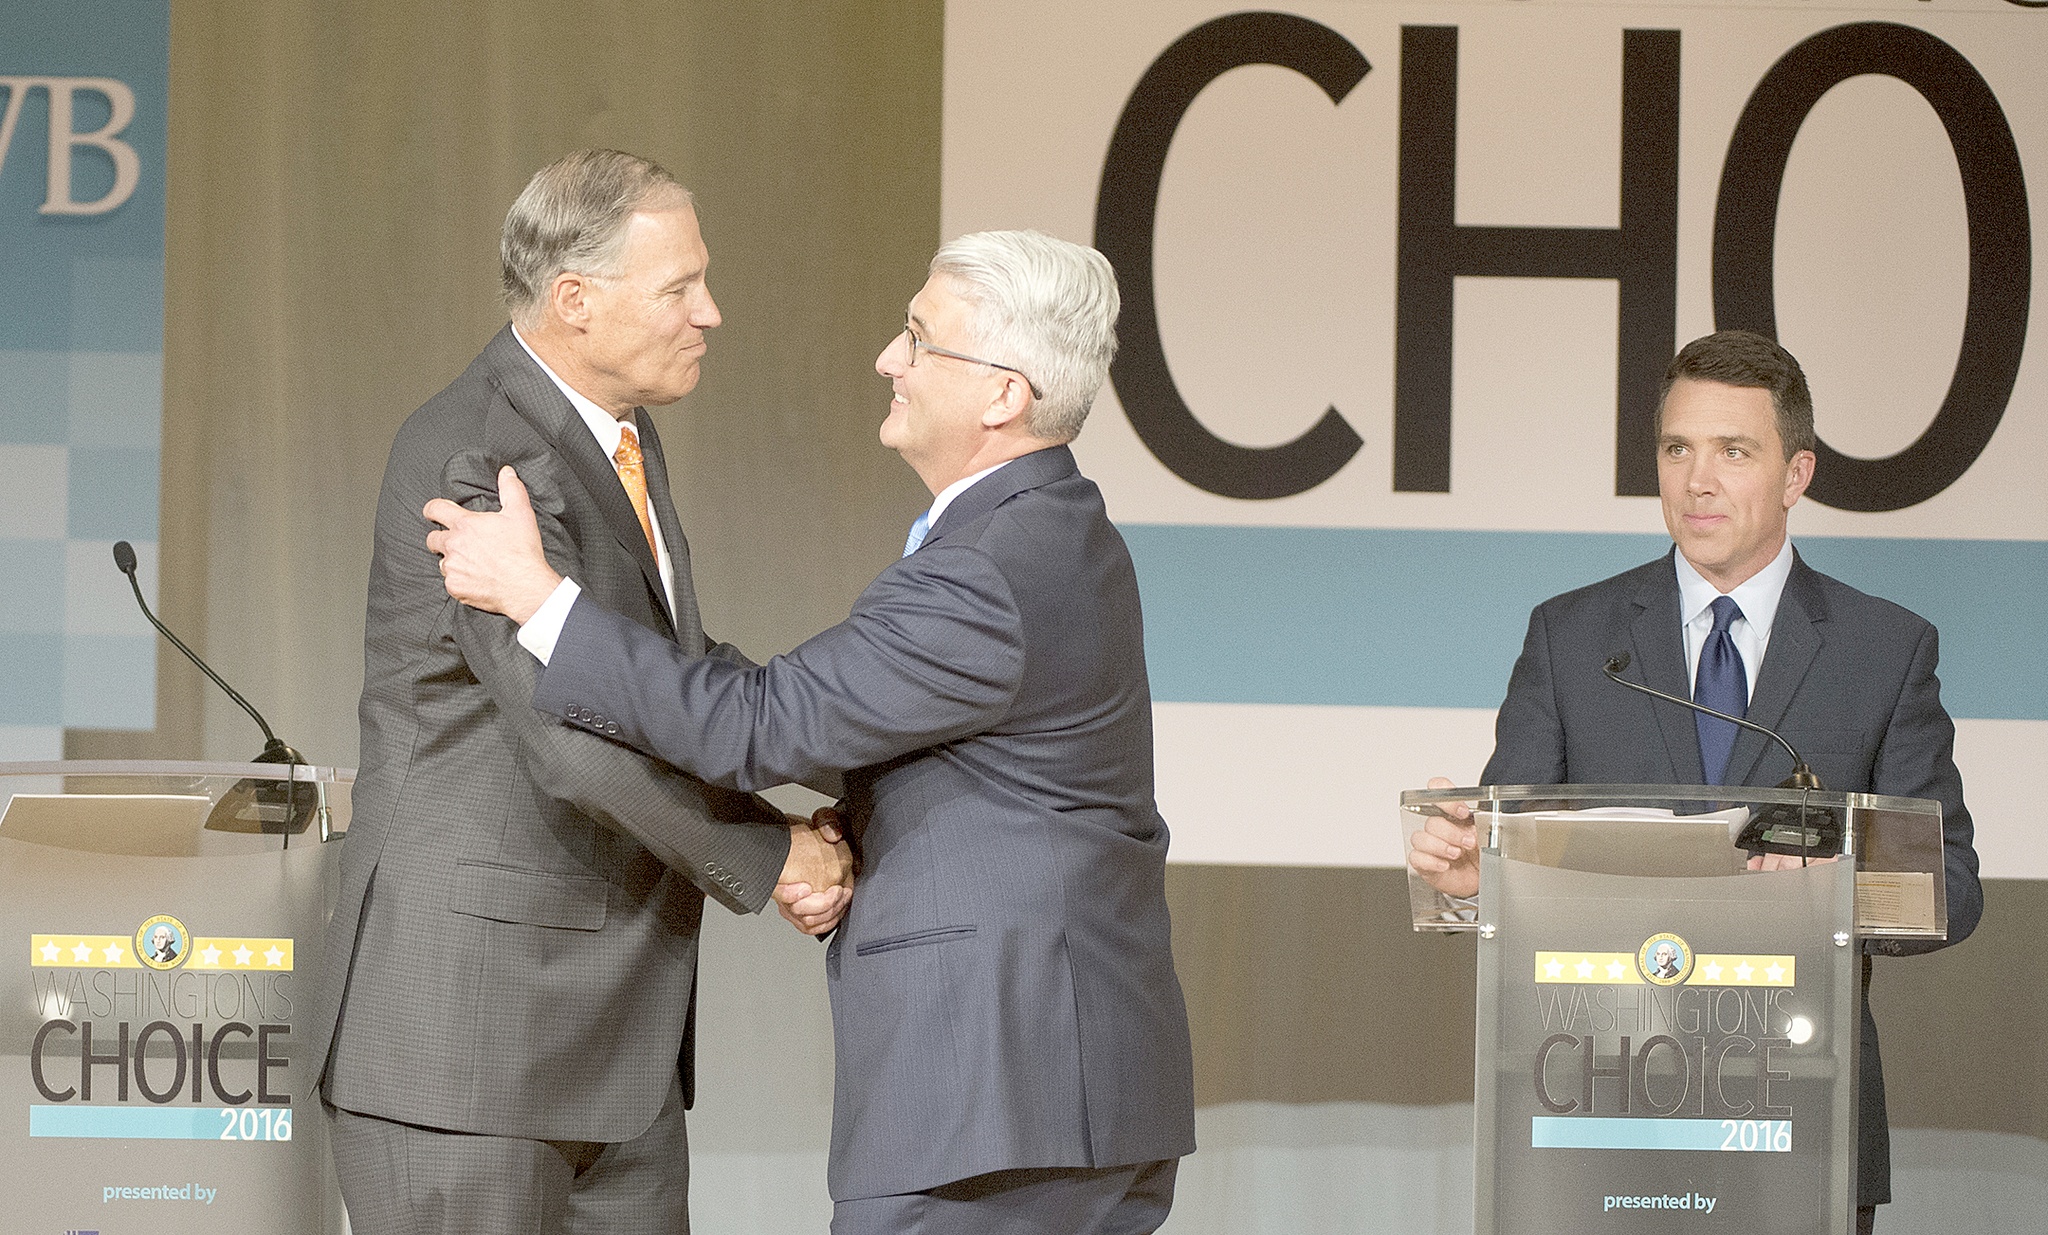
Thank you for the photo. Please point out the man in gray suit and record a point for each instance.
(1012, 1045)
(1847, 678)
(509, 975)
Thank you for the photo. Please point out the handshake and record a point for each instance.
(494, 562)
(816, 884)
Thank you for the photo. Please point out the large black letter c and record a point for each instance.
(1125, 211)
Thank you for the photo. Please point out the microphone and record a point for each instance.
(272, 805)
(1774, 829)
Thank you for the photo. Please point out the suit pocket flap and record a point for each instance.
(915, 939)
(502, 894)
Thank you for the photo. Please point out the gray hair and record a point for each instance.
(572, 217)
(1046, 306)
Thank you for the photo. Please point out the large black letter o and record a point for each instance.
(2001, 255)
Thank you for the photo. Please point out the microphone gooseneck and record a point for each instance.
(1802, 776)
(1801, 830)
(274, 749)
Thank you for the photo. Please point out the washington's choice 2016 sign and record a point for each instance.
(1400, 281)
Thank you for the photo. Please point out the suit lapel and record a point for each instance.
(1040, 467)
(1795, 642)
(543, 405)
(1658, 651)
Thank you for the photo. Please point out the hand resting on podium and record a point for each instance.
(1445, 850)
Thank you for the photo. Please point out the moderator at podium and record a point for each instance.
(1734, 620)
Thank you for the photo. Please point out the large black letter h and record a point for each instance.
(1434, 249)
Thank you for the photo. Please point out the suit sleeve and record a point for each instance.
(933, 651)
(715, 837)
(1528, 736)
(1916, 759)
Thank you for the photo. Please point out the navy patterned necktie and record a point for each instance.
(1723, 686)
(918, 530)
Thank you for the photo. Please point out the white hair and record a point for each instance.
(1045, 305)
(572, 216)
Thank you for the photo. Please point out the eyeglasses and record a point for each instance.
(917, 344)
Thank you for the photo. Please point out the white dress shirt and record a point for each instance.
(1757, 597)
(958, 487)
(541, 630)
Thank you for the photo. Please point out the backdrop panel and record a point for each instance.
(1400, 280)
(82, 137)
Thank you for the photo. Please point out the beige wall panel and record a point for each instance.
(338, 175)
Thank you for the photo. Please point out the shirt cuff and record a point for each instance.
(545, 626)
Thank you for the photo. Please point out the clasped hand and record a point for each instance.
(493, 561)
(816, 884)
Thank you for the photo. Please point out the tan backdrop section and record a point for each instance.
(338, 174)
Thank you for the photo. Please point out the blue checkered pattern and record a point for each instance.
(78, 470)
(81, 381)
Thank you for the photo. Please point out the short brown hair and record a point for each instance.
(1745, 358)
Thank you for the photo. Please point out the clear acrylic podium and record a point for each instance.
(1667, 1039)
(162, 932)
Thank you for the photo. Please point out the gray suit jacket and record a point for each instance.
(1848, 679)
(1003, 992)
(514, 947)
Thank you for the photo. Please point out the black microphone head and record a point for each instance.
(1618, 662)
(124, 557)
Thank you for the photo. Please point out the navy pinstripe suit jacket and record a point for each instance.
(1003, 991)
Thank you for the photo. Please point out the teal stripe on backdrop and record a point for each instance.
(1429, 618)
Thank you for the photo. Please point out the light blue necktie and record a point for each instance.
(917, 533)
(1722, 685)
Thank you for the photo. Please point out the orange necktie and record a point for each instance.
(633, 475)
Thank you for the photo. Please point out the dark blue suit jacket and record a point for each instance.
(1003, 990)
(1848, 679)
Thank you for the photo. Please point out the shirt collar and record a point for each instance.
(1757, 595)
(958, 487)
(603, 425)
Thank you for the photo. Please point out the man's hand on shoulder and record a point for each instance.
(817, 881)
(493, 561)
